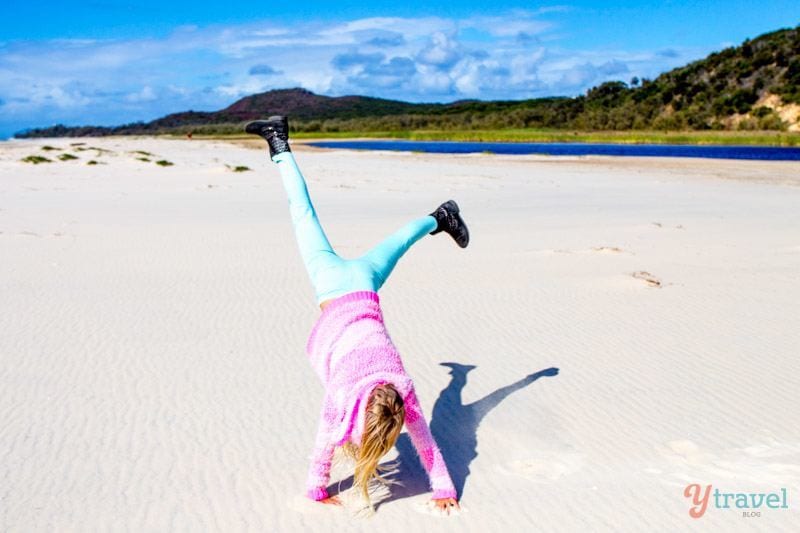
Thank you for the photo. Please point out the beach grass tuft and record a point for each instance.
(95, 148)
(238, 168)
(48, 148)
(67, 157)
(35, 159)
(164, 163)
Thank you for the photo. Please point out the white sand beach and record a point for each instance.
(153, 322)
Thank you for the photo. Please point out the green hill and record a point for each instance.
(754, 86)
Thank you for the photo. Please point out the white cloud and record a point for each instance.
(442, 51)
(521, 22)
(147, 94)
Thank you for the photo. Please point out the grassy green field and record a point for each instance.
(763, 138)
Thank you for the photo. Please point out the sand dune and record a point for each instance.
(154, 319)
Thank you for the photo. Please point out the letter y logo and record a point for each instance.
(700, 503)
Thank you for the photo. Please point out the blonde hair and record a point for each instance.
(383, 421)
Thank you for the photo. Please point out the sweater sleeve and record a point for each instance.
(429, 453)
(319, 471)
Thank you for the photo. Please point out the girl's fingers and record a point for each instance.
(446, 505)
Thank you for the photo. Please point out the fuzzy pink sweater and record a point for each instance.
(352, 353)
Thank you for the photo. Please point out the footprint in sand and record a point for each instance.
(688, 451)
(660, 225)
(545, 467)
(610, 250)
(651, 280)
(768, 462)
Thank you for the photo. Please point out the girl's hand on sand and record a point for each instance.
(333, 500)
(445, 504)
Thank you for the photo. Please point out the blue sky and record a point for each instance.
(110, 62)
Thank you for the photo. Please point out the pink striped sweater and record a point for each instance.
(352, 353)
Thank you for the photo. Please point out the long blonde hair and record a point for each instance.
(383, 421)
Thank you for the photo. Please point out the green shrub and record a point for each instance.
(761, 111)
(164, 163)
(771, 121)
(747, 124)
(67, 157)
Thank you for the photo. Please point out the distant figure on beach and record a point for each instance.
(368, 394)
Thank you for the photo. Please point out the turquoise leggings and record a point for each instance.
(331, 275)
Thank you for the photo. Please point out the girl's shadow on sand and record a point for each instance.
(455, 428)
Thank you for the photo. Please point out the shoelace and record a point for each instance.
(451, 221)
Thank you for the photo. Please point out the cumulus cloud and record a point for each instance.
(513, 55)
(442, 52)
(375, 70)
(355, 60)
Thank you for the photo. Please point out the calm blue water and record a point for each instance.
(647, 150)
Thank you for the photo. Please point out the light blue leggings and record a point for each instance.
(331, 275)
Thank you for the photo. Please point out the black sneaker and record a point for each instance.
(275, 130)
(451, 222)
